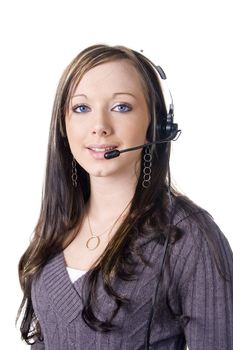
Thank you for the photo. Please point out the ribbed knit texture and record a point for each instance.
(197, 291)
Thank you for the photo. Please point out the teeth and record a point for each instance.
(96, 149)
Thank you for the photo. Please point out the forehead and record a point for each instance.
(112, 76)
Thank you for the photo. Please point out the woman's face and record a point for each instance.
(108, 110)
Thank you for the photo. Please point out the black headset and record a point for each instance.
(166, 127)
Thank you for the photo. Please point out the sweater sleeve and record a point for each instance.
(207, 298)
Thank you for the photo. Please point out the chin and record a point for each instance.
(99, 173)
(102, 173)
(115, 170)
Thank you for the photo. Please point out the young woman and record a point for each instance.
(119, 259)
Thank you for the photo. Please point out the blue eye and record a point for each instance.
(122, 107)
(81, 109)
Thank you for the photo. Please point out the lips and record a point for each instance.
(98, 151)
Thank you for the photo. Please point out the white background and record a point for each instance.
(191, 40)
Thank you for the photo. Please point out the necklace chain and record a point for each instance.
(95, 239)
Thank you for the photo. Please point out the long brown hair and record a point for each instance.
(63, 205)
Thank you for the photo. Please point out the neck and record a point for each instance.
(109, 197)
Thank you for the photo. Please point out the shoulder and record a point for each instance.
(196, 225)
(201, 241)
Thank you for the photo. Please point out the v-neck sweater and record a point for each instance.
(197, 291)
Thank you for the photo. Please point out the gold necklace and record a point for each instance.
(96, 238)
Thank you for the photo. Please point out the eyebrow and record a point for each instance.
(124, 93)
(79, 95)
(114, 95)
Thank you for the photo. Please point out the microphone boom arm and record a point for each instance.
(115, 153)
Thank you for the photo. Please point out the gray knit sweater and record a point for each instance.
(197, 291)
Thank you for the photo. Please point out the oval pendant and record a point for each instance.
(95, 242)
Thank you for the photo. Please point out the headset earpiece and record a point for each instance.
(166, 128)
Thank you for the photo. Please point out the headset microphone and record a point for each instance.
(115, 153)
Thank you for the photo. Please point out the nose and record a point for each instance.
(102, 125)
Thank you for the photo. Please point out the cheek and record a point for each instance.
(138, 132)
(72, 134)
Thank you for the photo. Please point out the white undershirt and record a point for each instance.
(74, 274)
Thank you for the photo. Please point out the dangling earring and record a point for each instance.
(74, 175)
(147, 168)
